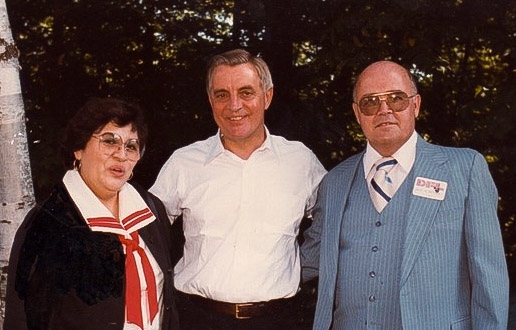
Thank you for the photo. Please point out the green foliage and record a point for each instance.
(154, 52)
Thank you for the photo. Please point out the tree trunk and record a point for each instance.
(16, 190)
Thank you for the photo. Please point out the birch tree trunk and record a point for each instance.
(16, 190)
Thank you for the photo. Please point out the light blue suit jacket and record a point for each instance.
(453, 273)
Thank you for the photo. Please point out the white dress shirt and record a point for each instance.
(241, 217)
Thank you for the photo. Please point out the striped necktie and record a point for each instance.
(383, 187)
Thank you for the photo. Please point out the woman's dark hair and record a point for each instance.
(92, 117)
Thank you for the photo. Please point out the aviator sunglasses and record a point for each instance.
(397, 101)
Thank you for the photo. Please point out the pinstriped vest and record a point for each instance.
(367, 294)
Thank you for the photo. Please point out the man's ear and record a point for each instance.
(268, 97)
(356, 111)
(417, 105)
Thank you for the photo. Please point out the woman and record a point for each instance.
(97, 253)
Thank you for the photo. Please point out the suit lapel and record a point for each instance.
(152, 238)
(430, 163)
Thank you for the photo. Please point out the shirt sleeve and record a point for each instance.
(317, 172)
(167, 187)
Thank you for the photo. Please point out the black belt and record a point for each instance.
(239, 310)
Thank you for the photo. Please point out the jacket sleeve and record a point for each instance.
(488, 268)
(311, 246)
(15, 317)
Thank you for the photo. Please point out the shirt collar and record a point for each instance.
(404, 155)
(217, 148)
(134, 212)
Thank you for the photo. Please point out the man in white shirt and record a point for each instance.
(242, 193)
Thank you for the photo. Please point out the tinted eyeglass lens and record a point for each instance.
(397, 101)
(112, 142)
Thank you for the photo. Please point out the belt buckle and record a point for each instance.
(237, 311)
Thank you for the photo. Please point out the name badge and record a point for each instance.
(429, 188)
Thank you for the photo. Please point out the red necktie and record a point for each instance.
(133, 298)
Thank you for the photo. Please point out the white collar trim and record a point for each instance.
(134, 212)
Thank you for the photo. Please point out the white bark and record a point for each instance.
(16, 190)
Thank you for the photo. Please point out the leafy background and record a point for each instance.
(154, 52)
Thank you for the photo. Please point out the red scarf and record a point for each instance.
(133, 290)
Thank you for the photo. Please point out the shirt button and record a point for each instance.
(372, 298)
(374, 248)
(378, 223)
(372, 274)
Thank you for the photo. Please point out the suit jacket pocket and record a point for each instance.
(451, 214)
(463, 323)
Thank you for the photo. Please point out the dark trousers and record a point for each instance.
(195, 317)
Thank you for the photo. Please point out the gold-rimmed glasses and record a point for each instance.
(397, 101)
(112, 142)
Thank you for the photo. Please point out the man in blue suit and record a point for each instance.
(431, 256)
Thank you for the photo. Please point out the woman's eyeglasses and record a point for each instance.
(111, 142)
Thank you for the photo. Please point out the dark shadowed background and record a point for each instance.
(154, 52)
